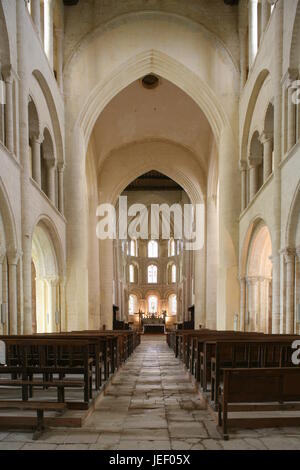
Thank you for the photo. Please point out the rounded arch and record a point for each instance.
(46, 298)
(260, 250)
(33, 119)
(292, 235)
(9, 224)
(269, 119)
(254, 226)
(50, 229)
(259, 280)
(261, 78)
(58, 138)
(255, 150)
(48, 146)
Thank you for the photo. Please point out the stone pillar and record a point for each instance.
(297, 288)
(13, 258)
(253, 179)
(23, 46)
(276, 238)
(2, 257)
(36, 14)
(48, 30)
(61, 188)
(199, 270)
(229, 209)
(267, 141)
(60, 40)
(265, 15)
(106, 283)
(51, 180)
(243, 305)
(254, 297)
(253, 31)
(243, 39)
(290, 284)
(243, 170)
(291, 119)
(9, 112)
(36, 159)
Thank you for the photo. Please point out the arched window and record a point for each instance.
(132, 304)
(152, 249)
(152, 274)
(173, 304)
(173, 273)
(171, 248)
(131, 273)
(152, 304)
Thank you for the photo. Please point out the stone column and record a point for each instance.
(253, 31)
(267, 141)
(243, 305)
(51, 180)
(36, 159)
(36, 14)
(199, 270)
(291, 119)
(254, 303)
(106, 283)
(59, 39)
(2, 257)
(243, 170)
(253, 178)
(13, 258)
(276, 209)
(297, 288)
(265, 15)
(290, 284)
(9, 114)
(48, 30)
(229, 209)
(61, 188)
(243, 39)
(23, 46)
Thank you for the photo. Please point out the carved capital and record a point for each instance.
(265, 137)
(13, 257)
(289, 255)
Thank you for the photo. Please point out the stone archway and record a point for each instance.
(95, 91)
(259, 281)
(46, 289)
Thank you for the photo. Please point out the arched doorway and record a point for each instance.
(259, 281)
(46, 311)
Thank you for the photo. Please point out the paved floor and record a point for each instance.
(151, 404)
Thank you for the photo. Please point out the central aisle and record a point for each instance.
(152, 404)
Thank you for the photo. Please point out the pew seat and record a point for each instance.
(39, 406)
(255, 390)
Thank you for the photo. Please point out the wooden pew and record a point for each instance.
(269, 351)
(265, 389)
(39, 406)
(27, 357)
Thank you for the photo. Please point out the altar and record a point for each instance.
(153, 324)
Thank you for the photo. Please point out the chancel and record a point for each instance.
(126, 129)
